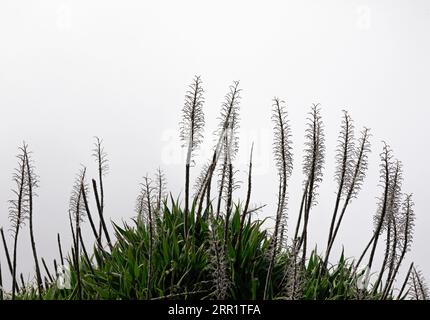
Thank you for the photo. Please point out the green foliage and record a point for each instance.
(178, 267)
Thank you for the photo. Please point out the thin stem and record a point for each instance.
(229, 205)
(97, 235)
(1, 284)
(221, 187)
(386, 256)
(364, 252)
(299, 220)
(245, 209)
(6, 250)
(405, 282)
(17, 226)
(384, 205)
(187, 197)
(30, 210)
(405, 244)
(84, 249)
(99, 209)
(51, 279)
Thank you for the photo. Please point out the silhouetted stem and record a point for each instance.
(84, 249)
(229, 205)
(101, 205)
(402, 255)
(406, 281)
(245, 209)
(299, 220)
(99, 209)
(341, 180)
(90, 218)
(6, 250)
(17, 227)
(55, 267)
(21, 276)
(383, 211)
(350, 193)
(77, 251)
(391, 266)
(221, 187)
(73, 233)
(1, 284)
(364, 252)
(51, 279)
(187, 197)
(30, 210)
(386, 256)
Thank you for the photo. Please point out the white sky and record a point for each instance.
(70, 70)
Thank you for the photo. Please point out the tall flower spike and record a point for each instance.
(230, 127)
(77, 211)
(222, 182)
(361, 164)
(344, 165)
(390, 222)
(282, 146)
(200, 180)
(354, 183)
(76, 204)
(283, 159)
(160, 189)
(418, 289)
(313, 163)
(32, 183)
(18, 208)
(405, 227)
(229, 111)
(407, 223)
(145, 202)
(229, 117)
(226, 137)
(191, 132)
(193, 120)
(100, 156)
(379, 219)
(230, 147)
(394, 193)
(394, 208)
(345, 154)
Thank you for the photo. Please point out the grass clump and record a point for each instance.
(187, 267)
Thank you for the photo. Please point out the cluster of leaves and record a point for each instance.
(181, 269)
